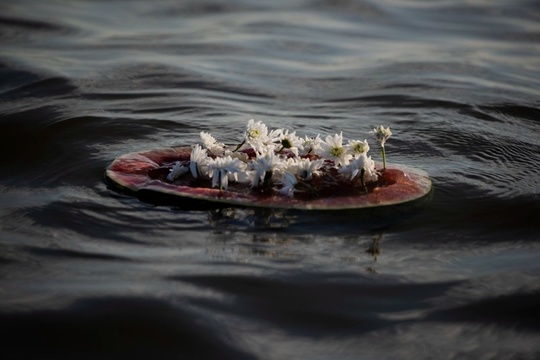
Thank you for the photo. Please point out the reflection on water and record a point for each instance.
(249, 235)
(374, 248)
(259, 219)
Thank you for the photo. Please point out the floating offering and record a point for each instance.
(270, 169)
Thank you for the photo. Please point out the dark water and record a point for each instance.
(88, 273)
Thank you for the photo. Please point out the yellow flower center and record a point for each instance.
(359, 148)
(336, 151)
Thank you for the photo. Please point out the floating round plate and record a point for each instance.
(143, 173)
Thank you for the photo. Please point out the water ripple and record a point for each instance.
(84, 82)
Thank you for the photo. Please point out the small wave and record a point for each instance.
(69, 254)
(49, 87)
(112, 327)
(30, 25)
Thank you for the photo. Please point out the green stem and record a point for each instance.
(383, 157)
(362, 172)
(239, 146)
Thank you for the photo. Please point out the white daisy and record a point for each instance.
(370, 173)
(357, 147)
(332, 149)
(306, 168)
(290, 141)
(221, 169)
(311, 145)
(382, 134)
(353, 168)
(288, 182)
(263, 150)
(211, 144)
(363, 167)
(198, 161)
(272, 140)
(256, 133)
(264, 167)
(177, 171)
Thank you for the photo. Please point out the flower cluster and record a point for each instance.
(281, 161)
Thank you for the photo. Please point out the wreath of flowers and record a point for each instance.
(279, 161)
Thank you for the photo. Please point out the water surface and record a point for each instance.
(89, 272)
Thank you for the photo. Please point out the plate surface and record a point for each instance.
(143, 173)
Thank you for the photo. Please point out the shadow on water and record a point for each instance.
(320, 305)
(58, 150)
(113, 328)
